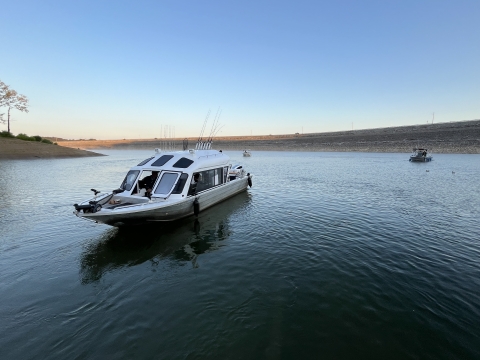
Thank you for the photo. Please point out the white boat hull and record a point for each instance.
(163, 211)
(420, 158)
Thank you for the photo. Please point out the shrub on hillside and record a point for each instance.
(6, 134)
(25, 137)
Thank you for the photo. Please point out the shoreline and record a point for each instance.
(462, 137)
(15, 149)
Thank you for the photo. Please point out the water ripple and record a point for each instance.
(334, 255)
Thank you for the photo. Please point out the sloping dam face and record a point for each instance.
(461, 137)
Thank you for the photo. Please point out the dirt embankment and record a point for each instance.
(20, 149)
(461, 137)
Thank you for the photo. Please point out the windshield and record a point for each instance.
(166, 183)
(129, 180)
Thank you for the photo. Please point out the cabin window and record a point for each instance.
(225, 173)
(180, 184)
(162, 160)
(206, 180)
(209, 178)
(166, 183)
(218, 176)
(129, 180)
(183, 163)
(146, 181)
(145, 161)
(193, 184)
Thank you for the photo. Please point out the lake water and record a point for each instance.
(328, 255)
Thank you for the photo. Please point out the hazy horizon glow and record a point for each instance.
(110, 70)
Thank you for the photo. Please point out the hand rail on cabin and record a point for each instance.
(210, 155)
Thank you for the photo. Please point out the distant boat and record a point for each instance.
(247, 153)
(420, 155)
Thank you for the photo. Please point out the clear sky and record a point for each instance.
(120, 69)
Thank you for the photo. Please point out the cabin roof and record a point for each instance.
(186, 161)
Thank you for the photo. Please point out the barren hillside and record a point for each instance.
(20, 149)
(454, 137)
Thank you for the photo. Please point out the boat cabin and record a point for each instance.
(420, 155)
(172, 175)
(420, 152)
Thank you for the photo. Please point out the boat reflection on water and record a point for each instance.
(183, 241)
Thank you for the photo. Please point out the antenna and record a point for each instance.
(167, 137)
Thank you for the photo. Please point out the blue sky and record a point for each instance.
(118, 69)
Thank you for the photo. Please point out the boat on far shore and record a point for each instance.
(420, 155)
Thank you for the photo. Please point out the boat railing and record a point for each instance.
(210, 155)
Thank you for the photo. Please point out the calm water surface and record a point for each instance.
(329, 255)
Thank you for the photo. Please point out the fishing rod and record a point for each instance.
(216, 132)
(218, 127)
(214, 125)
(203, 127)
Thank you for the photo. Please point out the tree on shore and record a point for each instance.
(3, 91)
(10, 99)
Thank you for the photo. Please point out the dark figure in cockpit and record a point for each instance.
(193, 184)
(148, 182)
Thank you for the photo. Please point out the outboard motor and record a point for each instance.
(91, 207)
(94, 205)
(236, 171)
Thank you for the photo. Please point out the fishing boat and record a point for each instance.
(420, 155)
(247, 153)
(168, 186)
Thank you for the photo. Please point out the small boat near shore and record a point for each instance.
(420, 155)
(166, 187)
